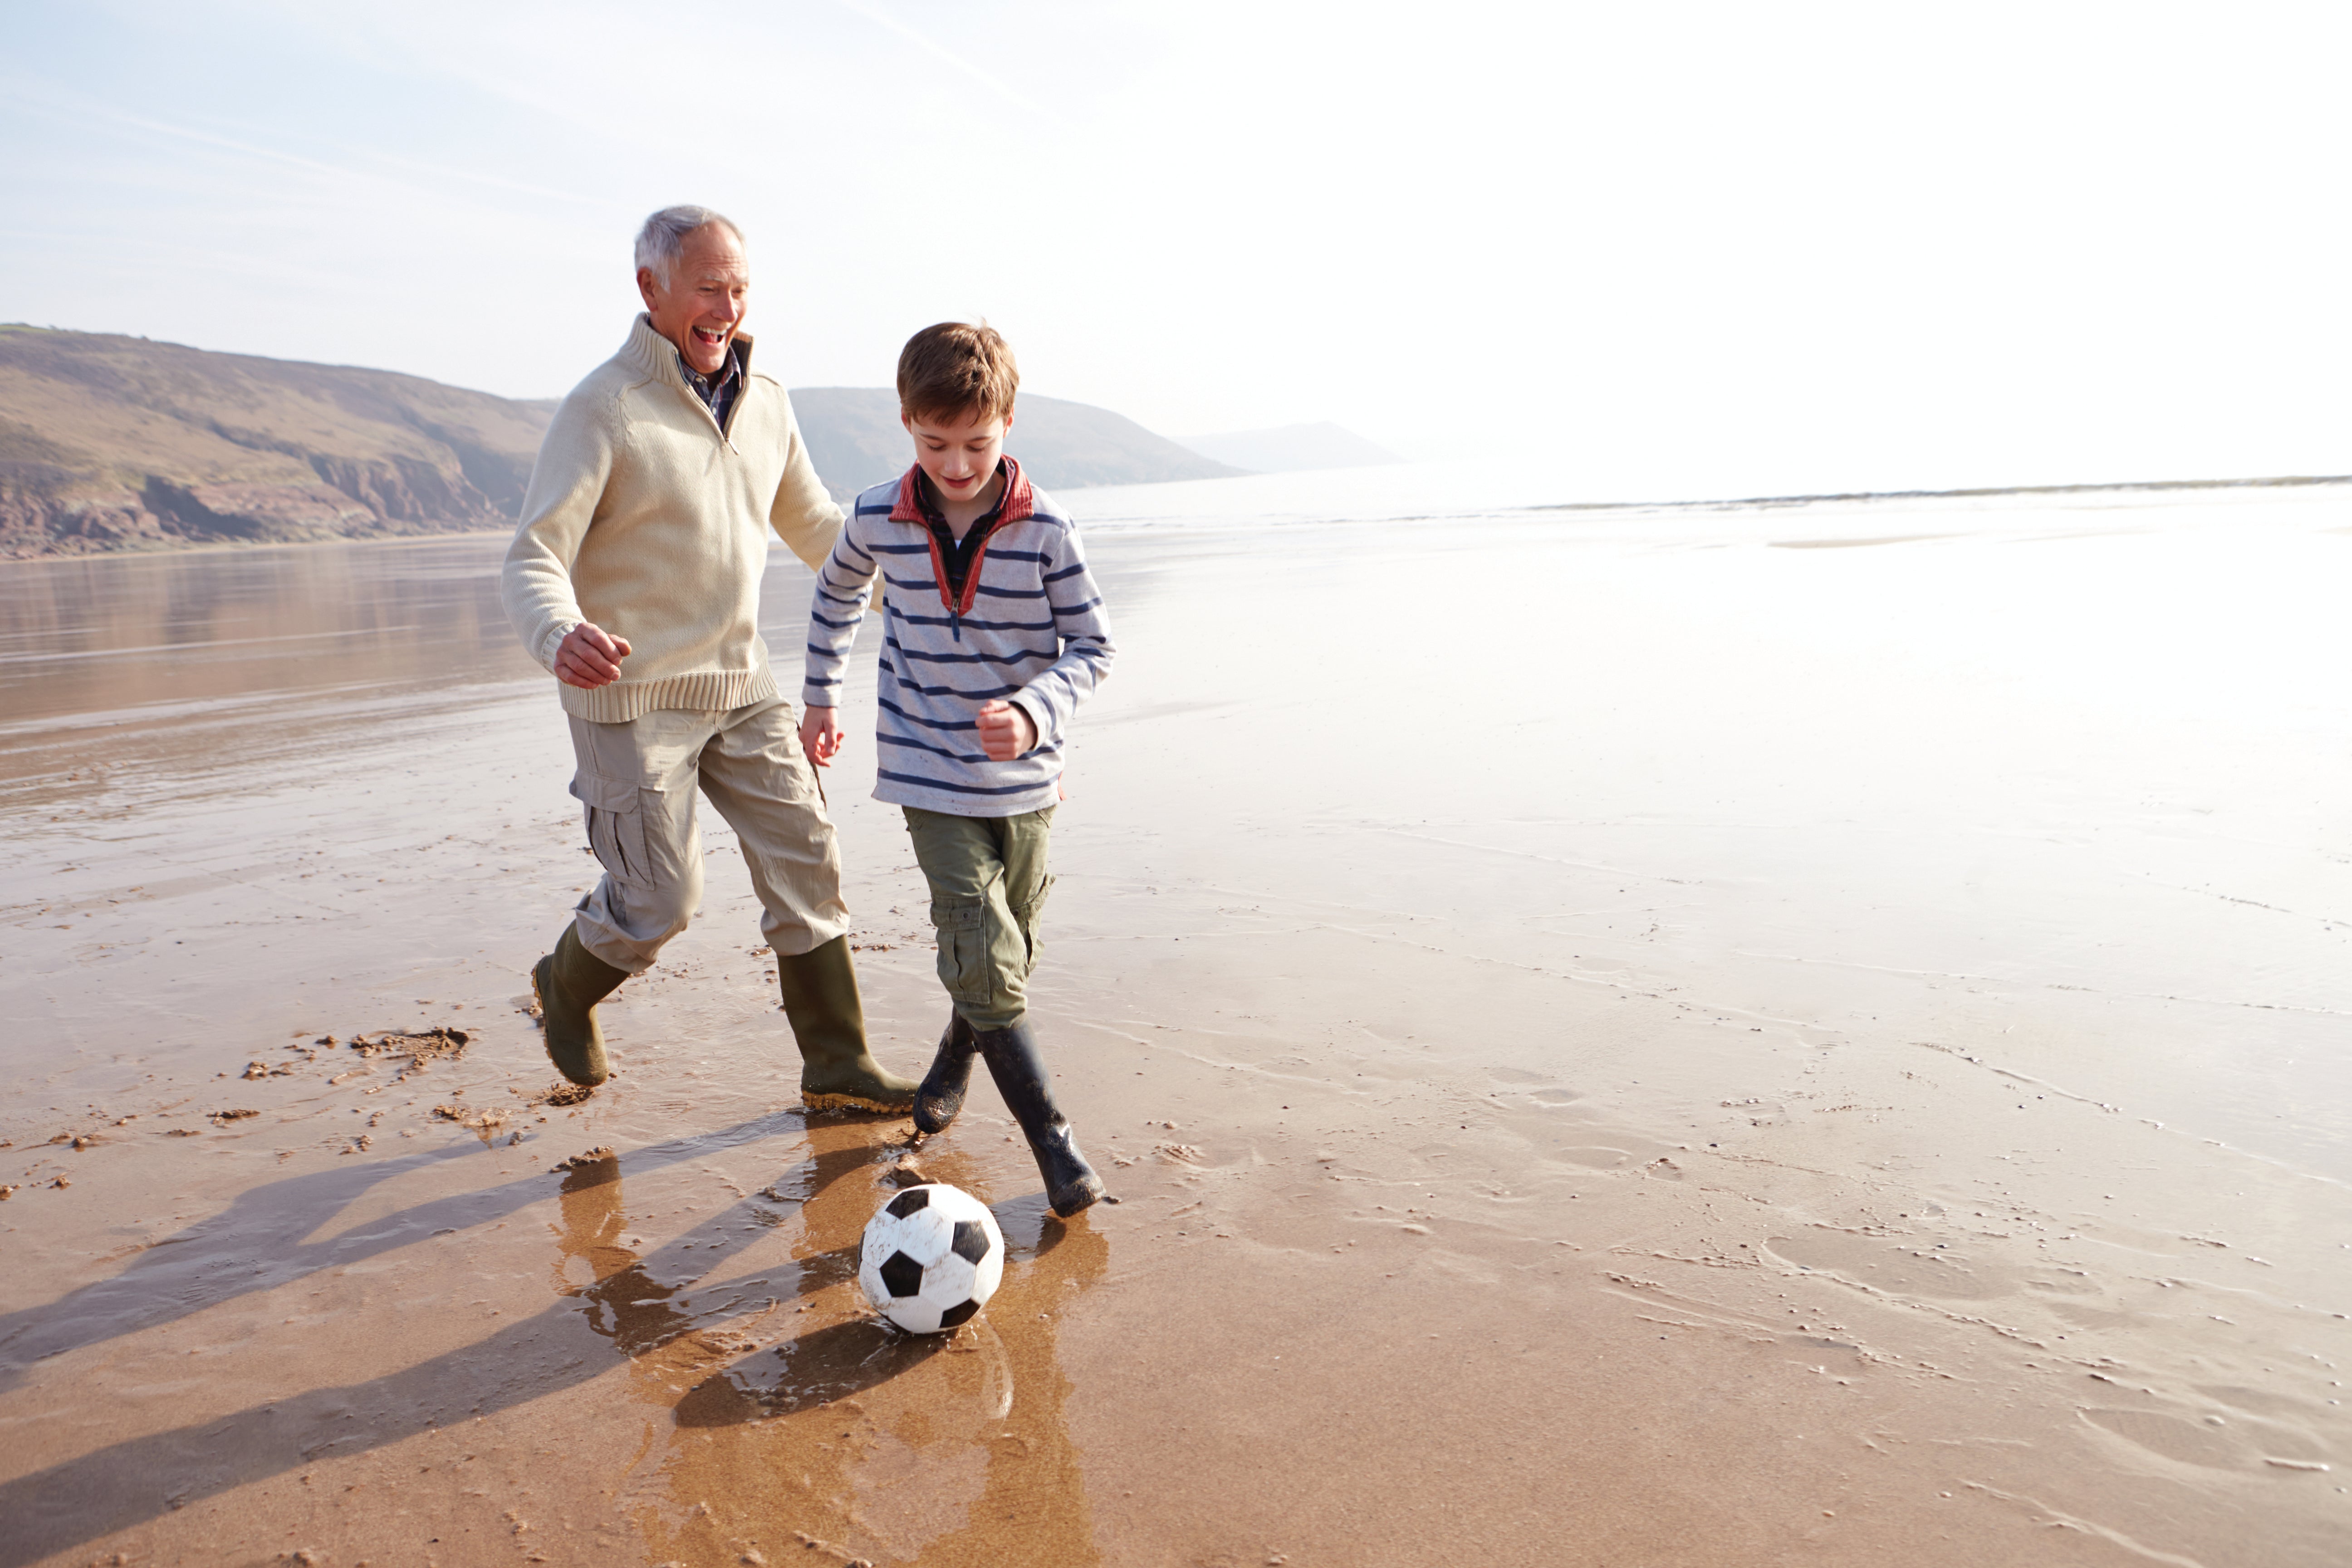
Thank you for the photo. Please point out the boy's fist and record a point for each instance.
(589, 657)
(1005, 731)
(820, 736)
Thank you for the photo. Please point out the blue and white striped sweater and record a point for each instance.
(1030, 629)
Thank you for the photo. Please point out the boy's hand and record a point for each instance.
(821, 738)
(1005, 731)
(588, 658)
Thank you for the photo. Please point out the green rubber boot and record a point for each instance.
(568, 983)
(837, 1072)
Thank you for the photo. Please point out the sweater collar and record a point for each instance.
(658, 357)
(1019, 500)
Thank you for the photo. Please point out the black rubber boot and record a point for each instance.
(1020, 1073)
(941, 1096)
(568, 983)
(837, 1072)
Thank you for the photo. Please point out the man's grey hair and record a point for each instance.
(663, 238)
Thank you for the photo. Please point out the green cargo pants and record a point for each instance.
(988, 886)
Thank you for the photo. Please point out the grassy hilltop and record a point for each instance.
(117, 443)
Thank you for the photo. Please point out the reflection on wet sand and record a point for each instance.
(790, 1401)
(1825, 1074)
(823, 1426)
(258, 1246)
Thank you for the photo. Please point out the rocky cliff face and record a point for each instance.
(112, 443)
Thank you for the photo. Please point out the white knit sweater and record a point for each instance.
(646, 518)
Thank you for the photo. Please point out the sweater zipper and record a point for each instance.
(971, 576)
(724, 438)
(957, 604)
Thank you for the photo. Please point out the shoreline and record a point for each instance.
(2184, 488)
(2292, 482)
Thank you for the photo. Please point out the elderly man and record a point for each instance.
(635, 578)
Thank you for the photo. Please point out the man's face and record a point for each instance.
(700, 306)
(959, 454)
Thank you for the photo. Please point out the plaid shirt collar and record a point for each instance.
(722, 384)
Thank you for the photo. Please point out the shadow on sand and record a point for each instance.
(257, 1243)
(256, 1246)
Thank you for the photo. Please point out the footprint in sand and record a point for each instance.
(2214, 1442)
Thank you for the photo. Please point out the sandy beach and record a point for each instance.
(1712, 1036)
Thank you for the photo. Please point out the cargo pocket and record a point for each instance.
(963, 951)
(616, 824)
(1024, 921)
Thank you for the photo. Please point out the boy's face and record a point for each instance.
(959, 454)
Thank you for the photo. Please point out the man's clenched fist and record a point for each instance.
(588, 659)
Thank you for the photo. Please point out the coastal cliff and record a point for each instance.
(115, 443)
(855, 440)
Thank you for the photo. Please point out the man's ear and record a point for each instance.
(1008, 419)
(907, 421)
(645, 287)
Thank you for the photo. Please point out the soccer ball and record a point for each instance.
(932, 1257)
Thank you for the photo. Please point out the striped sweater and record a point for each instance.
(1029, 628)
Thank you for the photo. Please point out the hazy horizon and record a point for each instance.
(1702, 251)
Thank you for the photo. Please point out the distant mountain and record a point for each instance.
(117, 442)
(855, 439)
(1292, 448)
(114, 443)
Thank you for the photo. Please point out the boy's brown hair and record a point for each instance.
(956, 370)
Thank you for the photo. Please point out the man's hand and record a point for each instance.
(1005, 731)
(821, 738)
(588, 659)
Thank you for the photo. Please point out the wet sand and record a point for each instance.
(1724, 1037)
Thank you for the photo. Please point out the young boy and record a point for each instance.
(993, 634)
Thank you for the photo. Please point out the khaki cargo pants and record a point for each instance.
(988, 886)
(637, 781)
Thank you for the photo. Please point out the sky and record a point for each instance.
(1665, 250)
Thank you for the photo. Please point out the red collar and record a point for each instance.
(1019, 500)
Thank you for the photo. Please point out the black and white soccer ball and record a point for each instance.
(932, 1257)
